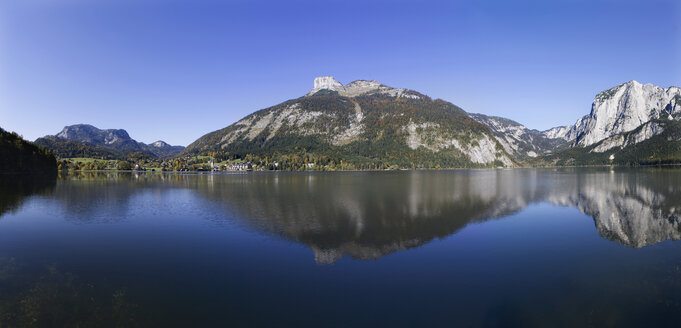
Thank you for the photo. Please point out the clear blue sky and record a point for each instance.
(175, 70)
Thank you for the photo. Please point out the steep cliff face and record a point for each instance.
(622, 109)
(622, 140)
(363, 121)
(632, 123)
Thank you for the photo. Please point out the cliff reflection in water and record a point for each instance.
(632, 207)
(367, 215)
(370, 214)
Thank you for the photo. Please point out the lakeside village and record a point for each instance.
(194, 163)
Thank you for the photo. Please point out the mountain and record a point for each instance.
(623, 109)
(630, 124)
(83, 140)
(161, 149)
(365, 124)
(620, 118)
(654, 142)
(519, 141)
(20, 156)
(369, 125)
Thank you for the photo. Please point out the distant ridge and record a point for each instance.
(84, 140)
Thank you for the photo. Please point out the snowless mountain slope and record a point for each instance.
(518, 140)
(363, 122)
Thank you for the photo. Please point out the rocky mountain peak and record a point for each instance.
(90, 134)
(622, 109)
(160, 144)
(73, 130)
(326, 82)
(359, 88)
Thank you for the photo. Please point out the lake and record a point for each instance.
(518, 247)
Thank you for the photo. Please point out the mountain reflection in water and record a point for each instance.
(367, 215)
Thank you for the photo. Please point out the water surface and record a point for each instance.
(525, 247)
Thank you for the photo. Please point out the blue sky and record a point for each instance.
(175, 70)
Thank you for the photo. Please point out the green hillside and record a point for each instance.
(20, 156)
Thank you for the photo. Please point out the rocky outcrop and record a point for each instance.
(640, 134)
(326, 82)
(359, 87)
(160, 144)
(560, 132)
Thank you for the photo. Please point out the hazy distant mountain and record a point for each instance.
(362, 122)
(519, 141)
(161, 149)
(83, 140)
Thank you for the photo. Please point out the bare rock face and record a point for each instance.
(326, 82)
(359, 88)
(622, 109)
(559, 132)
(160, 144)
(642, 133)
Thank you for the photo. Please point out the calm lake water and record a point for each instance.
(524, 247)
